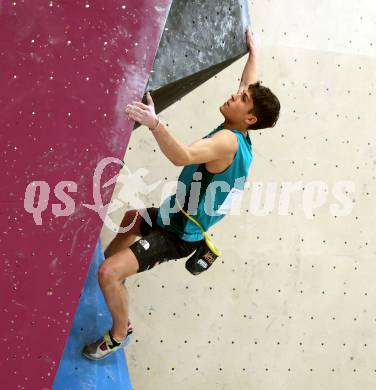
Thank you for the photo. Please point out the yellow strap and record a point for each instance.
(107, 338)
(209, 243)
(190, 217)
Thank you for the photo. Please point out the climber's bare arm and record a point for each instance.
(219, 145)
(249, 75)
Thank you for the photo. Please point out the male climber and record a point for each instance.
(224, 155)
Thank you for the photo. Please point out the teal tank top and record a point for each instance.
(206, 196)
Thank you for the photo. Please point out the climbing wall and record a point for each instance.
(67, 71)
(199, 40)
(290, 304)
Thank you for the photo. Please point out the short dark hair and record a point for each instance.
(266, 106)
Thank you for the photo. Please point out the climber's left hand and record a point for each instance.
(142, 113)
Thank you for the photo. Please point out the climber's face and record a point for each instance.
(238, 110)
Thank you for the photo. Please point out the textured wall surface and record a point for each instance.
(67, 71)
(196, 36)
(291, 303)
(199, 40)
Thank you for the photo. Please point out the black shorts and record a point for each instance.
(158, 245)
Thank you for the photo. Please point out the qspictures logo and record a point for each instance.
(265, 198)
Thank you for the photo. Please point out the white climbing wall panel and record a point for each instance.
(291, 303)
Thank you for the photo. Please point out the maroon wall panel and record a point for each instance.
(67, 70)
